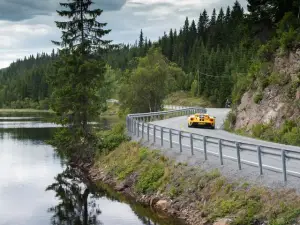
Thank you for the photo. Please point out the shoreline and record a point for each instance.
(190, 194)
(160, 204)
(102, 181)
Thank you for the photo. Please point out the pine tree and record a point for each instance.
(213, 18)
(78, 75)
(141, 41)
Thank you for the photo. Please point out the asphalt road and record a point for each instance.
(269, 161)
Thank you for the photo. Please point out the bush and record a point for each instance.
(292, 89)
(149, 179)
(258, 97)
(266, 52)
(289, 39)
(230, 121)
(109, 140)
(258, 130)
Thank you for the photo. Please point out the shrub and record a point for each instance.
(288, 39)
(230, 121)
(292, 89)
(258, 97)
(266, 52)
(149, 179)
(109, 140)
(258, 130)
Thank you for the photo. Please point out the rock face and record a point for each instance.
(223, 222)
(278, 102)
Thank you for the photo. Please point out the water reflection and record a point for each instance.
(29, 166)
(74, 205)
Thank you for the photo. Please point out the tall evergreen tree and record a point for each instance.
(141, 40)
(78, 75)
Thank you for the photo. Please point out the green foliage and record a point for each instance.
(292, 89)
(147, 85)
(79, 78)
(266, 51)
(246, 204)
(258, 97)
(289, 39)
(185, 99)
(23, 84)
(230, 121)
(194, 87)
(111, 139)
(149, 179)
(290, 216)
(288, 133)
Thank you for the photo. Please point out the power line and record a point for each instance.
(209, 75)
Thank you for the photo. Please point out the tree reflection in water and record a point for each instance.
(74, 207)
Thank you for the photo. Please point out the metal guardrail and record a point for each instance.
(139, 125)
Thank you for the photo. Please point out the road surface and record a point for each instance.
(270, 162)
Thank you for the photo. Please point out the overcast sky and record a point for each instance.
(27, 26)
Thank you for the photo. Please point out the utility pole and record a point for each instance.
(198, 82)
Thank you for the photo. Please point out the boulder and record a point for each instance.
(162, 204)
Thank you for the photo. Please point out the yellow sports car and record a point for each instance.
(201, 120)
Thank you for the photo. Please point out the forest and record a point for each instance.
(209, 57)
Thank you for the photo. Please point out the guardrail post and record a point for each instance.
(204, 148)
(134, 127)
(259, 160)
(138, 128)
(180, 144)
(148, 133)
(220, 151)
(192, 144)
(143, 126)
(154, 133)
(170, 138)
(161, 136)
(283, 156)
(238, 153)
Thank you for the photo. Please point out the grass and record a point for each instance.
(181, 98)
(24, 112)
(214, 195)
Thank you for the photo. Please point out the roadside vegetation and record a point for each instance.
(210, 193)
(182, 98)
(288, 133)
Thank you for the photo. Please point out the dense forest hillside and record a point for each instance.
(24, 83)
(215, 53)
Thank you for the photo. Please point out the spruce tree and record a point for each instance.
(79, 75)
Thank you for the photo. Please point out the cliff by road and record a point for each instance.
(270, 107)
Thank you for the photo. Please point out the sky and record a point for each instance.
(27, 26)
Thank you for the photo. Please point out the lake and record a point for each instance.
(37, 188)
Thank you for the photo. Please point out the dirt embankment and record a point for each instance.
(189, 193)
(274, 95)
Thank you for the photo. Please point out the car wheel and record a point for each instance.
(213, 127)
(190, 125)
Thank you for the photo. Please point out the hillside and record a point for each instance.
(215, 53)
(270, 108)
(279, 100)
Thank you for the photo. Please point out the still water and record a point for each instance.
(37, 188)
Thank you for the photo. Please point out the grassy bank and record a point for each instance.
(181, 98)
(23, 112)
(191, 193)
